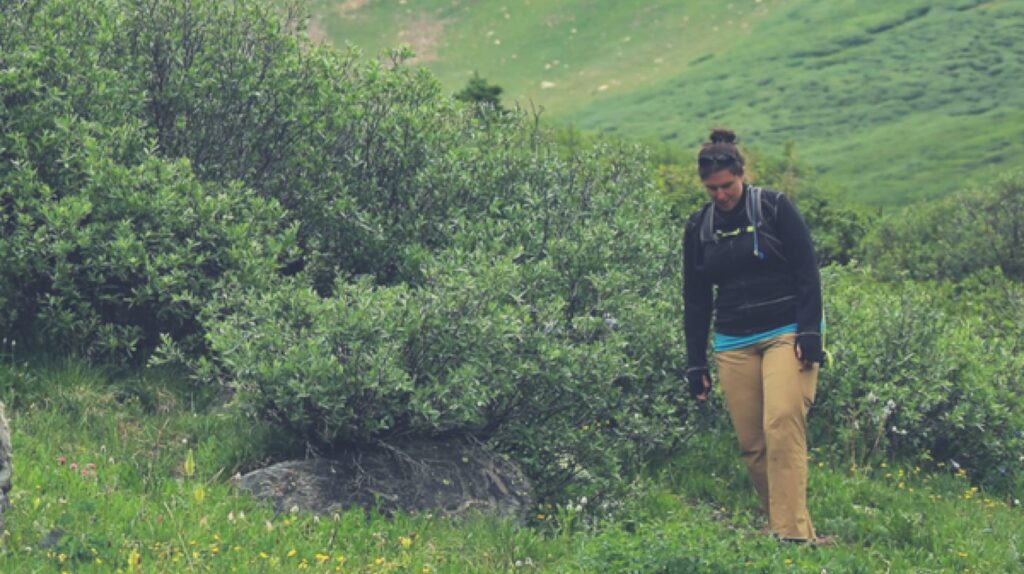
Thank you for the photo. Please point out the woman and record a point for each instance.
(754, 246)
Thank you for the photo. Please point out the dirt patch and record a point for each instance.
(348, 8)
(424, 35)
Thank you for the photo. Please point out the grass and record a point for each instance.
(897, 101)
(105, 482)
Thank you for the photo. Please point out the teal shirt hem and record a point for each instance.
(729, 342)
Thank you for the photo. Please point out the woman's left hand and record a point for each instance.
(808, 348)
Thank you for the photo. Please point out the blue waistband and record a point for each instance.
(730, 342)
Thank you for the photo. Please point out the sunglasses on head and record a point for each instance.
(719, 159)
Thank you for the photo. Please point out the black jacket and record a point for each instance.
(754, 294)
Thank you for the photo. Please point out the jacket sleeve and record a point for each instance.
(697, 299)
(799, 250)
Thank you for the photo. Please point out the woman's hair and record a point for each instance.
(720, 152)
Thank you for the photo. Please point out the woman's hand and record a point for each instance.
(808, 348)
(700, 382)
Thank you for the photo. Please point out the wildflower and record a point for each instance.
(200, 494)
(405, 542)
(321, 558)
(787, 561)
(264, 555)
(74, 467)
(962, 554)
(61, 461)
(292, 553)
(425, 570)
(378, 561)
(190, 464)
(134, 559)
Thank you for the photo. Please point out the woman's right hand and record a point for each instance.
(700, 382)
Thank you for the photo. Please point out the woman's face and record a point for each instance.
(724, 188)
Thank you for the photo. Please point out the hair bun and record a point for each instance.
(723, 135)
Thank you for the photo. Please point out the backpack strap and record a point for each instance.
(756, 218)
(707, 224)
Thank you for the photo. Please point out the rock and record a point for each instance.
(5, 466)
(450, 477)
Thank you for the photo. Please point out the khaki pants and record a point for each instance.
(768, 393)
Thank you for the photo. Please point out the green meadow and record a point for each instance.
(121, 471)
(892, 101)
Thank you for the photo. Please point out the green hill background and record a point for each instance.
(894, 101)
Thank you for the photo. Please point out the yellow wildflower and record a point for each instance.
(190, 464)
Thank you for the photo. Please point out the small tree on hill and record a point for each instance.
(479, 91)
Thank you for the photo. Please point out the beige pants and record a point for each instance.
(768, 393)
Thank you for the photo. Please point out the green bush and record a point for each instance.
(920, 371)
(550, 329)
(955, 236)
(103, 258)
(104, 245)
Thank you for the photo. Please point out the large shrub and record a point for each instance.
(101, 257)
(105, 246)
(550, 328)
(921, 369)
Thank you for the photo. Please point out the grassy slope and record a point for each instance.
(139, 512)
(896, 100)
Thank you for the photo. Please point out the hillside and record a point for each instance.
(896, 101)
